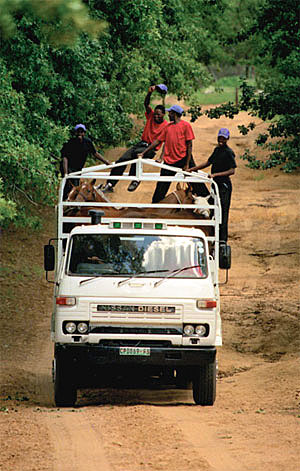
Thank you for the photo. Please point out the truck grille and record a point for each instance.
(135, 330)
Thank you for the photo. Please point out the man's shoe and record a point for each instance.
(107, 188)
(133, 186)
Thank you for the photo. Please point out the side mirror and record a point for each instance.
(225, 256)
(49, 257)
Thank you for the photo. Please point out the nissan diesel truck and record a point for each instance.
(135, 297)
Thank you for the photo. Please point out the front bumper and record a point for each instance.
(99, 355)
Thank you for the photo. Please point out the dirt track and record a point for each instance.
(254, 424)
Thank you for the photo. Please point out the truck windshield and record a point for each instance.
(131, 254)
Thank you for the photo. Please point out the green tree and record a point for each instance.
(63, 20)
(277, 26)
(276, 33)
(56, 69)
(237, 45)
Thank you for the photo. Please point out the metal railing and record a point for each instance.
(102, 172)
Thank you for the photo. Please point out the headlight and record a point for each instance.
(188, 329)
(70, 327)
(82, 327)
(200, 330)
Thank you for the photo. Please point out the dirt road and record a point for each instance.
(254, 424)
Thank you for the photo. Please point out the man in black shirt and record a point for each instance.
(223, 164)
(74, 154)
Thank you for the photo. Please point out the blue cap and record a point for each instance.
(176, 108)
(224, 132)
(80, 126)
(162, 88)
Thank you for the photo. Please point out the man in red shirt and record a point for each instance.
(155, 123)
(177, 152)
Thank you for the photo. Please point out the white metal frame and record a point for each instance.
(101, 172)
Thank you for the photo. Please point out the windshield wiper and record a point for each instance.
(97, 276)
(136, 275)
(173, 273)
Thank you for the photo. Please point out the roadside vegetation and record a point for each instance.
(91, 61)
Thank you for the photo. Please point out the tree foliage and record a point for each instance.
(238, 45)
(55, 73)
(63, 20)
(275, 30)
(92, 61)
(278, 54)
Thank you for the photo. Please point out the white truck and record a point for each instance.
(136, 297)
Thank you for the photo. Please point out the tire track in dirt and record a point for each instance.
(77, 444)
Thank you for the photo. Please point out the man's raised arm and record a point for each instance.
(147, 99)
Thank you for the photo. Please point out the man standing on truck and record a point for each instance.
(177, 152)
(74, 154)
(155, 123)
(223, 164)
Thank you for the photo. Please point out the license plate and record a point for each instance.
(137, 351)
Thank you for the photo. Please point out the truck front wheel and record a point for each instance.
(65, 392)
(204, 385)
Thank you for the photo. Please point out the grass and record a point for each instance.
(221, 91)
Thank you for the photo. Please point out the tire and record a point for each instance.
(204, 385)
(65, 392)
